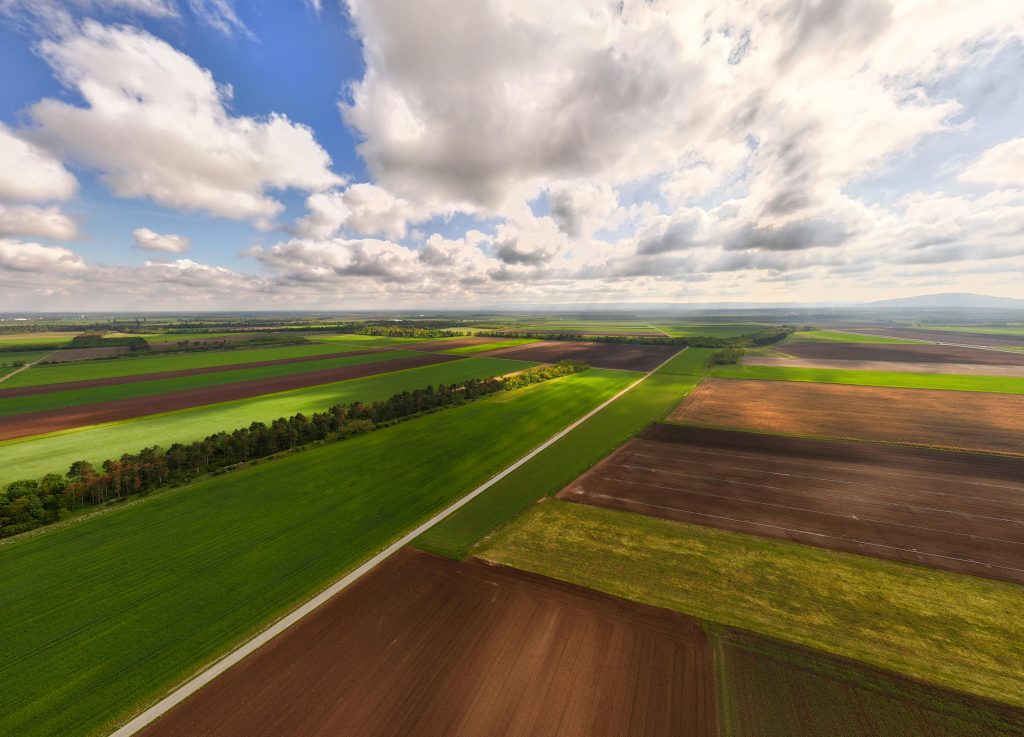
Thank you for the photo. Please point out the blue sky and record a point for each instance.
(355, 154)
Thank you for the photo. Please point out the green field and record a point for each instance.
(1008, 330)
(550, 471)
(771, 689)
(690, 361)
(9, 357)
(104, 369)
(834, 336)
(471, 349)
(75, 397)
(30, 339)
(160, 587)
(952, 630)
(897, 379)
(716, 330)
(33, 457)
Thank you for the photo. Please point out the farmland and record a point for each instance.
(259, 541)
(962, 336)
(624, 356)
(33, 457)
(915, 353)
(959, 420)
(987, 381)
(66, 418)
(838, 336)
(861, 367)
(948, 629)
(956, 511)
(435, 648)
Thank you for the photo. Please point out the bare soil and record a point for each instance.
(626, 356)
(910, 353)
(947, 419)
(946, 336)
(961, 512)
(430, 647)
(22, 391)
(36, 423)
(964, 369)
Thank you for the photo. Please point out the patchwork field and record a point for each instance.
(965, 336)
(35, 456)
(957, 511)
(625, 356)
(961, 369)
(914, 353)
(717, 330)
(966, 420)
(65, 418)
(430, 647)
(450, 343)
(838, 336)
(105, 636)
(770, 689)
(956, 631)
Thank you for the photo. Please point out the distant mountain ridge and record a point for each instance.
(949, 300)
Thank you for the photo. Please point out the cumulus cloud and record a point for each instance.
(155, 125)
(40, 222)
(1002, 165)
(364, 209)
(33, 257)
(29, 173)
(581, 208)
(149, 240)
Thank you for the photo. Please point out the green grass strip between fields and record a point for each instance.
(836, 336)
(896, 379)
(953, 630)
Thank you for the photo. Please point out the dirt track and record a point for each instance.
(949, 419)
(22, 391)
(957, 511)
(947, 336)
(429, 647)
(35, 423)
(923, 353)
(965, 369)
(626, 356)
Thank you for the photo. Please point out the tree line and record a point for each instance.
(31, 503)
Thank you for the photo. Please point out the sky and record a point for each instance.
(332, 154)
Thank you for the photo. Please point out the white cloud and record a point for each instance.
(29, 173)
(40, 222)
(33, 257)
(155, 126)
(1002, 165)
(219, 14)
(364, 209)
(148, 240)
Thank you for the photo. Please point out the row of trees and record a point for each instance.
(28, 504)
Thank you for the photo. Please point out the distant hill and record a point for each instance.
(949, 300)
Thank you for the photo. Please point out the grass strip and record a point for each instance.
(895, 379)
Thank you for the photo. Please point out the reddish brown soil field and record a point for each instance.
(923, 353)
(430, 647)
(82, 354)
(22, 391)
(947, 419)
(774, 689)
(946, 336)
(968, 369)
(626, 356)
(444, 345)
(35, 423)
(957, 511)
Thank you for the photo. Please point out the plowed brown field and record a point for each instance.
(923, 353)
(626, 356)
(958, 511)
(947, 336)
(36, 423)
(429, 647)
(963, 369)
(947, 419)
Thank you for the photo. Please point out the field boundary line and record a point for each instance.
(218, 667)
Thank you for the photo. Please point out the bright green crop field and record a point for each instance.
(9, 357)
(471, 349)
(30, 339)
(834, 336)
(36, 456)
(954, 382)
(949, 629)
(111, 611)
(75, 397)
(718, 330)
(103, 369)
(548, 472)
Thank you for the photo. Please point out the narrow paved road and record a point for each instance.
(191, 686)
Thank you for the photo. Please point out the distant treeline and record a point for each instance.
(402, 331)
(28, 504)
(726, 356)
(748, 340)
(98, 341)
